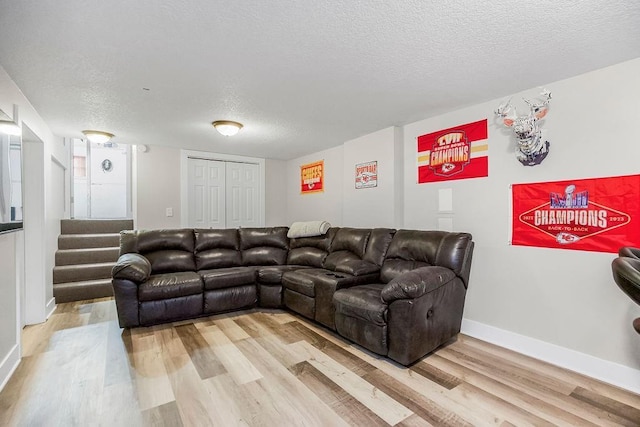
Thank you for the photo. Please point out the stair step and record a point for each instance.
(86, 256)
(94, 226)
(86, 289)
(81, 241)
(82, 272)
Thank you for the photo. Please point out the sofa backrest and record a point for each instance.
(167, 250)
(264, 245)
(347, 251)
(378, 244)
(411, 249)
(217, 248)
(310, 251)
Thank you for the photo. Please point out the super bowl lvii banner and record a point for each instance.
(456, 153)
(600, 214)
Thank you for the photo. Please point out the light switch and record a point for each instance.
(169, 211)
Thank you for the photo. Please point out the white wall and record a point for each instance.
(157, 174)
(157, 186)
(276, 193)
(9, 327)
(327, 205)
(366, 207)
(563, 297)
(13, 247)
(56, 210)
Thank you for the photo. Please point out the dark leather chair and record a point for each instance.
(417, 304)
(626, 273)
(629, 252)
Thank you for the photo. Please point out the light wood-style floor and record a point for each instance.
(272, 368)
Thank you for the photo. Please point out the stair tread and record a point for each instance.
(85, 266)
(81, 241)
(102, 226)
(88, 235)
(83, 250)
(82, 283)
(97, 249)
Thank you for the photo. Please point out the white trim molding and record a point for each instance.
(51, 307)
(603, 370)
(9, 365)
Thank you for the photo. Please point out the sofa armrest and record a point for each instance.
(133, 267)
(416, 283)
(125, 293)
(357, 267)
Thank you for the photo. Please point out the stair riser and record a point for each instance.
(79, 241)
(79, 293)
(87, 256)
(81, 272)
(94, 226)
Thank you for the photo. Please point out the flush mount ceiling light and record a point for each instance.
(97, 136)
(10, 127)
(227, 127)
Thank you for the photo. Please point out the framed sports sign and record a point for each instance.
(367, 175)
(312, 177)
(599, 214)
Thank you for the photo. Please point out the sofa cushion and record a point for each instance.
(362, 302)
(264, 236)
(300, 283)
(228, 277)
(273, 273)
(264, 246)
(356, 267)
(321, 242)
(169, 261)
(378, 244)
(235, 298)
(215, 248)
(170, 285)
(264, 256)
(167, 250)
(299, 303)
(170, 309)
(157, 240)
(352, 240)
(308, 255)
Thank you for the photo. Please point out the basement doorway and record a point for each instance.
(101, 184)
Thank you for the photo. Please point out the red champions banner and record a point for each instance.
(456, 153)
(600, 214)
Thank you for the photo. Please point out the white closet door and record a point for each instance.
(206, 193)
(243, 195)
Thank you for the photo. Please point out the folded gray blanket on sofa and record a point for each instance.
(308, 228)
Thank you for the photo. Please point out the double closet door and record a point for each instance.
(223, 194)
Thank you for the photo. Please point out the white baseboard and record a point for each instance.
(603, 370)
(50, 307)
(8, 365)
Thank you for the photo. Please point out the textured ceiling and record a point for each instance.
(302, 75)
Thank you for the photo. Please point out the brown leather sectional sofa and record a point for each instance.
(398, 293)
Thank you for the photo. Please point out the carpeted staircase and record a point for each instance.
(87, 250)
